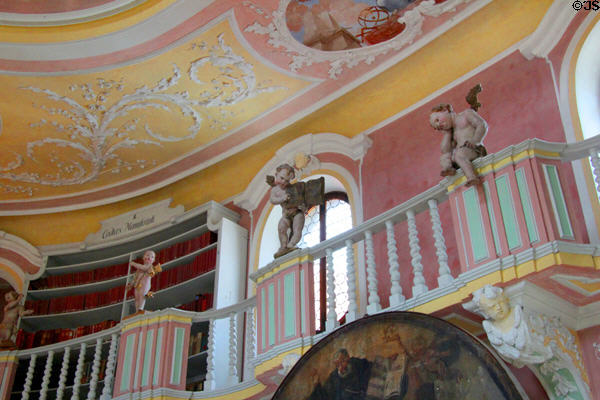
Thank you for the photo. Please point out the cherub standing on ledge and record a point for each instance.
(12, 311)
(142, 279)
(463, 134)
(292, 210)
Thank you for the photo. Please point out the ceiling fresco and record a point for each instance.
(157, 95)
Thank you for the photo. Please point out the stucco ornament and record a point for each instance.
(274, 26)
(524, 338)
(96, 124)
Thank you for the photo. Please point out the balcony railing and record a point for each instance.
(520, 214)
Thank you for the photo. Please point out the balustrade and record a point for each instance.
(520, 199)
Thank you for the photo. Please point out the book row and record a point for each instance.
(28, 340)
(202, 302)
(113, 271)
(201, 264)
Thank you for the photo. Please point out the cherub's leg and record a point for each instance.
(446, 163)
(297, 227)
(282, 229)
(140, 299)
(463, 157)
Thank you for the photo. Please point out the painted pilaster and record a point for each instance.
(153, 352)
(8, 368)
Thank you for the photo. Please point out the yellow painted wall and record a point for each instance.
(482, 36)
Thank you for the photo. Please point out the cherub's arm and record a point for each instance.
(25, 312)
(141, 267)
(12, 304)
(481, 127)
(278, 195)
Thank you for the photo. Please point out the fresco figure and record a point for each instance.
(142, 279)
(13, 310)
(348, 381)
(463, 134)
(388, 374)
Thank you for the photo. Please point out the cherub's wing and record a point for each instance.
(472, 97)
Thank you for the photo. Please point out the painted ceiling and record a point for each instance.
(105, 100)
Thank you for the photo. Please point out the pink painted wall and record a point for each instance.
(591, 357)
(519, 102)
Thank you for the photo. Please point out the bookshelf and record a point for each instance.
(83, 284)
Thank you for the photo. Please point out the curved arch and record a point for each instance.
(334, 170)
(313, 144)
(570, 115)
(19, 261)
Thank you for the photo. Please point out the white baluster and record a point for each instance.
(64, 369)
(350, 274)
(110, 368)
(210, 382)
(419, 285)
(396, 297)
(374, 306)
(250, 343)
(233, 378)
(78, 372)
(95, 370)
(596, 167)
(332, 321)
(29, 377)
(445, 277)
(46, 378)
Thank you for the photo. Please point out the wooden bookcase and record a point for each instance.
(82, 290)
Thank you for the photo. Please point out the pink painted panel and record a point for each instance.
(121, 361)
(460, 249)
(516, 198)
(534, 194)
(7, 372)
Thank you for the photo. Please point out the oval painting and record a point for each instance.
(332, 25)
(398, 356)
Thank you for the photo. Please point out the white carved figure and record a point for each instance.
(542, 343)
(507, 328)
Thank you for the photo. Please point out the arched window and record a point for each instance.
(324, 222)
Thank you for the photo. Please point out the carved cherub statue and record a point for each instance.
(292, 220)
(142, 279)
(13, 310)
(508, 327)
(294, 199)
(463, 134)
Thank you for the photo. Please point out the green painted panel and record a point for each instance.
(558, 202)
(508, 212)
(271, 314)
(492, 215)
(289, 302)
(302, 300)
(177, 355)
(126, 375)
(157, 360)
(527, 207)
(475, 224)
(263, 317)
(147, 357)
